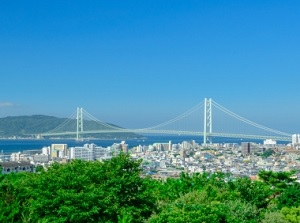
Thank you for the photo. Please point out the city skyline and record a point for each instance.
(147, 62)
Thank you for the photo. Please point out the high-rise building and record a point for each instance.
(46, 150)
(295, 139)
(91, 152)
(186, 145)
(84, 153)
(163, 146)
(15, 157)
(182, 153)
(124, 147)
(59, 150)
(246, 148)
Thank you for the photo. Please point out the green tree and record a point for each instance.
(192, 207)
(91, 191)
(39, 168)
(291, 214)
(278, 181)
(290, 197)
(14, 196)
(172, 189)
(77, 192)
(268, 153)
(241, 211)
(274, 217)
(198, 206)
(255, 192)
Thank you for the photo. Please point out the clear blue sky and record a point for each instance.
(138, 63)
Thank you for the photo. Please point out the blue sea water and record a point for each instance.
(8, 146)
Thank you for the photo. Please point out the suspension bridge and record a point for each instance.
(197, 121)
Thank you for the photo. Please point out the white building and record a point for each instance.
(295, 139)
(41, 158)
(15, 157)
(270, 142)
(186, 145)
(163, 146)
(91, 152)
(46, 150)
(139, 149)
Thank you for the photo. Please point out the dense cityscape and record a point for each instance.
(162, 160)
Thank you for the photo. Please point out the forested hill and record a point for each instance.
(24, 126)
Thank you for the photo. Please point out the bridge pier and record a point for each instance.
(207, 131)
(79, 123)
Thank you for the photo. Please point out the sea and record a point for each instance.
(8, 146)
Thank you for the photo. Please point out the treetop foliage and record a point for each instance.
(114, 191)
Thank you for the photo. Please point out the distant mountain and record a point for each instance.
(25, 126)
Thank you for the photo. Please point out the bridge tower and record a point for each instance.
(79, 122)
(207, 131)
